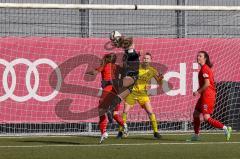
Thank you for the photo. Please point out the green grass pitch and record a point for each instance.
(211, 146)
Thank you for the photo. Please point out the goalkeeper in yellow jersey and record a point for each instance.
(139, 94)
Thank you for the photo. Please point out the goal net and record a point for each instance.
(47, 48)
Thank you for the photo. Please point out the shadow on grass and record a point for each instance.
(73, 140)
(149, 138)
(53, 142)
(88, 140)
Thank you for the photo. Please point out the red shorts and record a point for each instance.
(109, 89)
(205, 106)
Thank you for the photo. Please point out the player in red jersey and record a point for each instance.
(108, 70)
(206, 102)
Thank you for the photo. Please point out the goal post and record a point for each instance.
(47, 48)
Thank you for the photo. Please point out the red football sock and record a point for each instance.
(196, 124)
(103, 123)
(215, 123)
(118, 119)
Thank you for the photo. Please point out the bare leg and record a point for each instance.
(112, 100)
(127, 81)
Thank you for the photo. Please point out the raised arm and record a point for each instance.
(159, 78)
(95, 72)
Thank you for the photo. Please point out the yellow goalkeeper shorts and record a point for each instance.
(134, 97)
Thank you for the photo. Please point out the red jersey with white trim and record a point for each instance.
(206, 73)
(108, 71)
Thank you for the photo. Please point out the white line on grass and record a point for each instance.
(79, 135)
(105, 145)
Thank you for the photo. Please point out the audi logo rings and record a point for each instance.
(32, 91)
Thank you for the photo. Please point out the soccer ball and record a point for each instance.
(115, 35)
